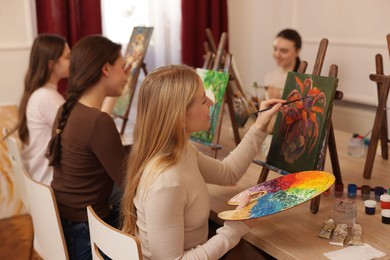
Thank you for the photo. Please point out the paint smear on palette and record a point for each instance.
(279, 194)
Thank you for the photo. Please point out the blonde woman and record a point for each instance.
(166, 201)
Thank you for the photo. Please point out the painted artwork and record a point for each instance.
(279, 194)
(301, 127)
(134, 57)
(215, 83)
(11, 204)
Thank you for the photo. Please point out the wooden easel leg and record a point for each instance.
(330, 142)
(315, 204)
(383, 136)
(384, 132)
(229, 102)
(263, 175)
(218, 130)
(333, 155)
(380, 112)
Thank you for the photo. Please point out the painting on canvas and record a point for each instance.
(134, 57)
(300, 127)
(215, 83)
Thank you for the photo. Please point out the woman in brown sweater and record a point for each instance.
(86, 149)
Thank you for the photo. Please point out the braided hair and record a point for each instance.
(292, 35)
(87, 59)
(46, 47)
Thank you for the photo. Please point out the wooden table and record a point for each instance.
(293, 234)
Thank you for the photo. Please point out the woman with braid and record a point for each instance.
(86, 149)
(166, 202)
(49, 62)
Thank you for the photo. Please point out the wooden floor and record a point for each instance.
(16, 238)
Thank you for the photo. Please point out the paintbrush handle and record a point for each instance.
(289, 102)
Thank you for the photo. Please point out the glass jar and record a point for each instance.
(356, 147)
(344, 211)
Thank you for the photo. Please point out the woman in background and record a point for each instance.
(86, 149)
(166, 203)
(287, 46)
(49, 62)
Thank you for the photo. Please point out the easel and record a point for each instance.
(330, 138)
(133, 82)
(379, 130)
(217, 59)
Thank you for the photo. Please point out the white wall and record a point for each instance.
(17, 30)
(356, 30)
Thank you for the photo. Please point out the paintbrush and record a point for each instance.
(289, 102)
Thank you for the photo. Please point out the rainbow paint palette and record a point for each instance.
(279, 194)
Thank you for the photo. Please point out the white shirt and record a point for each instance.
(276, 78)
(41, 111)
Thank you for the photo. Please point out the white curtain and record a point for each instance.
(165, 48)
(120, 16)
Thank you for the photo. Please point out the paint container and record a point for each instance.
(365, 192)
(356, 146)
(385, 216)
(370, 207)
(378, 192)
(344, 211)
(352, 188)
(385, 201)
(339, 190)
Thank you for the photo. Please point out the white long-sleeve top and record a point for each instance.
(41, 111)
(172, 215)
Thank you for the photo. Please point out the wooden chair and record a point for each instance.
(18, 169)
(49, 240)
(112, 242)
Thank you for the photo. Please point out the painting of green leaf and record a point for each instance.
(300, 127)
(215, 83)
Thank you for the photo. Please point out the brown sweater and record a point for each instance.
(92, 158)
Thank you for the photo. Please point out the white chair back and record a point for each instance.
(18, 169)
(49, 239)
(112, 242)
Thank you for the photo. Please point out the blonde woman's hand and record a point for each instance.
(263, 118)
(249, 222)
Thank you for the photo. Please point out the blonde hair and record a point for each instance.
(159, 135)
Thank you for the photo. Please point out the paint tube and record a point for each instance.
(327, 229)
(339, 235)
(356, 235)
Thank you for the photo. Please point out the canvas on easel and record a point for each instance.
(220, 61)
(134, 61)
(328, 141)
(215, 83)
(300, 127)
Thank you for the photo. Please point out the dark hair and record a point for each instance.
(46, 47)
(292, 35)
(87, 59)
